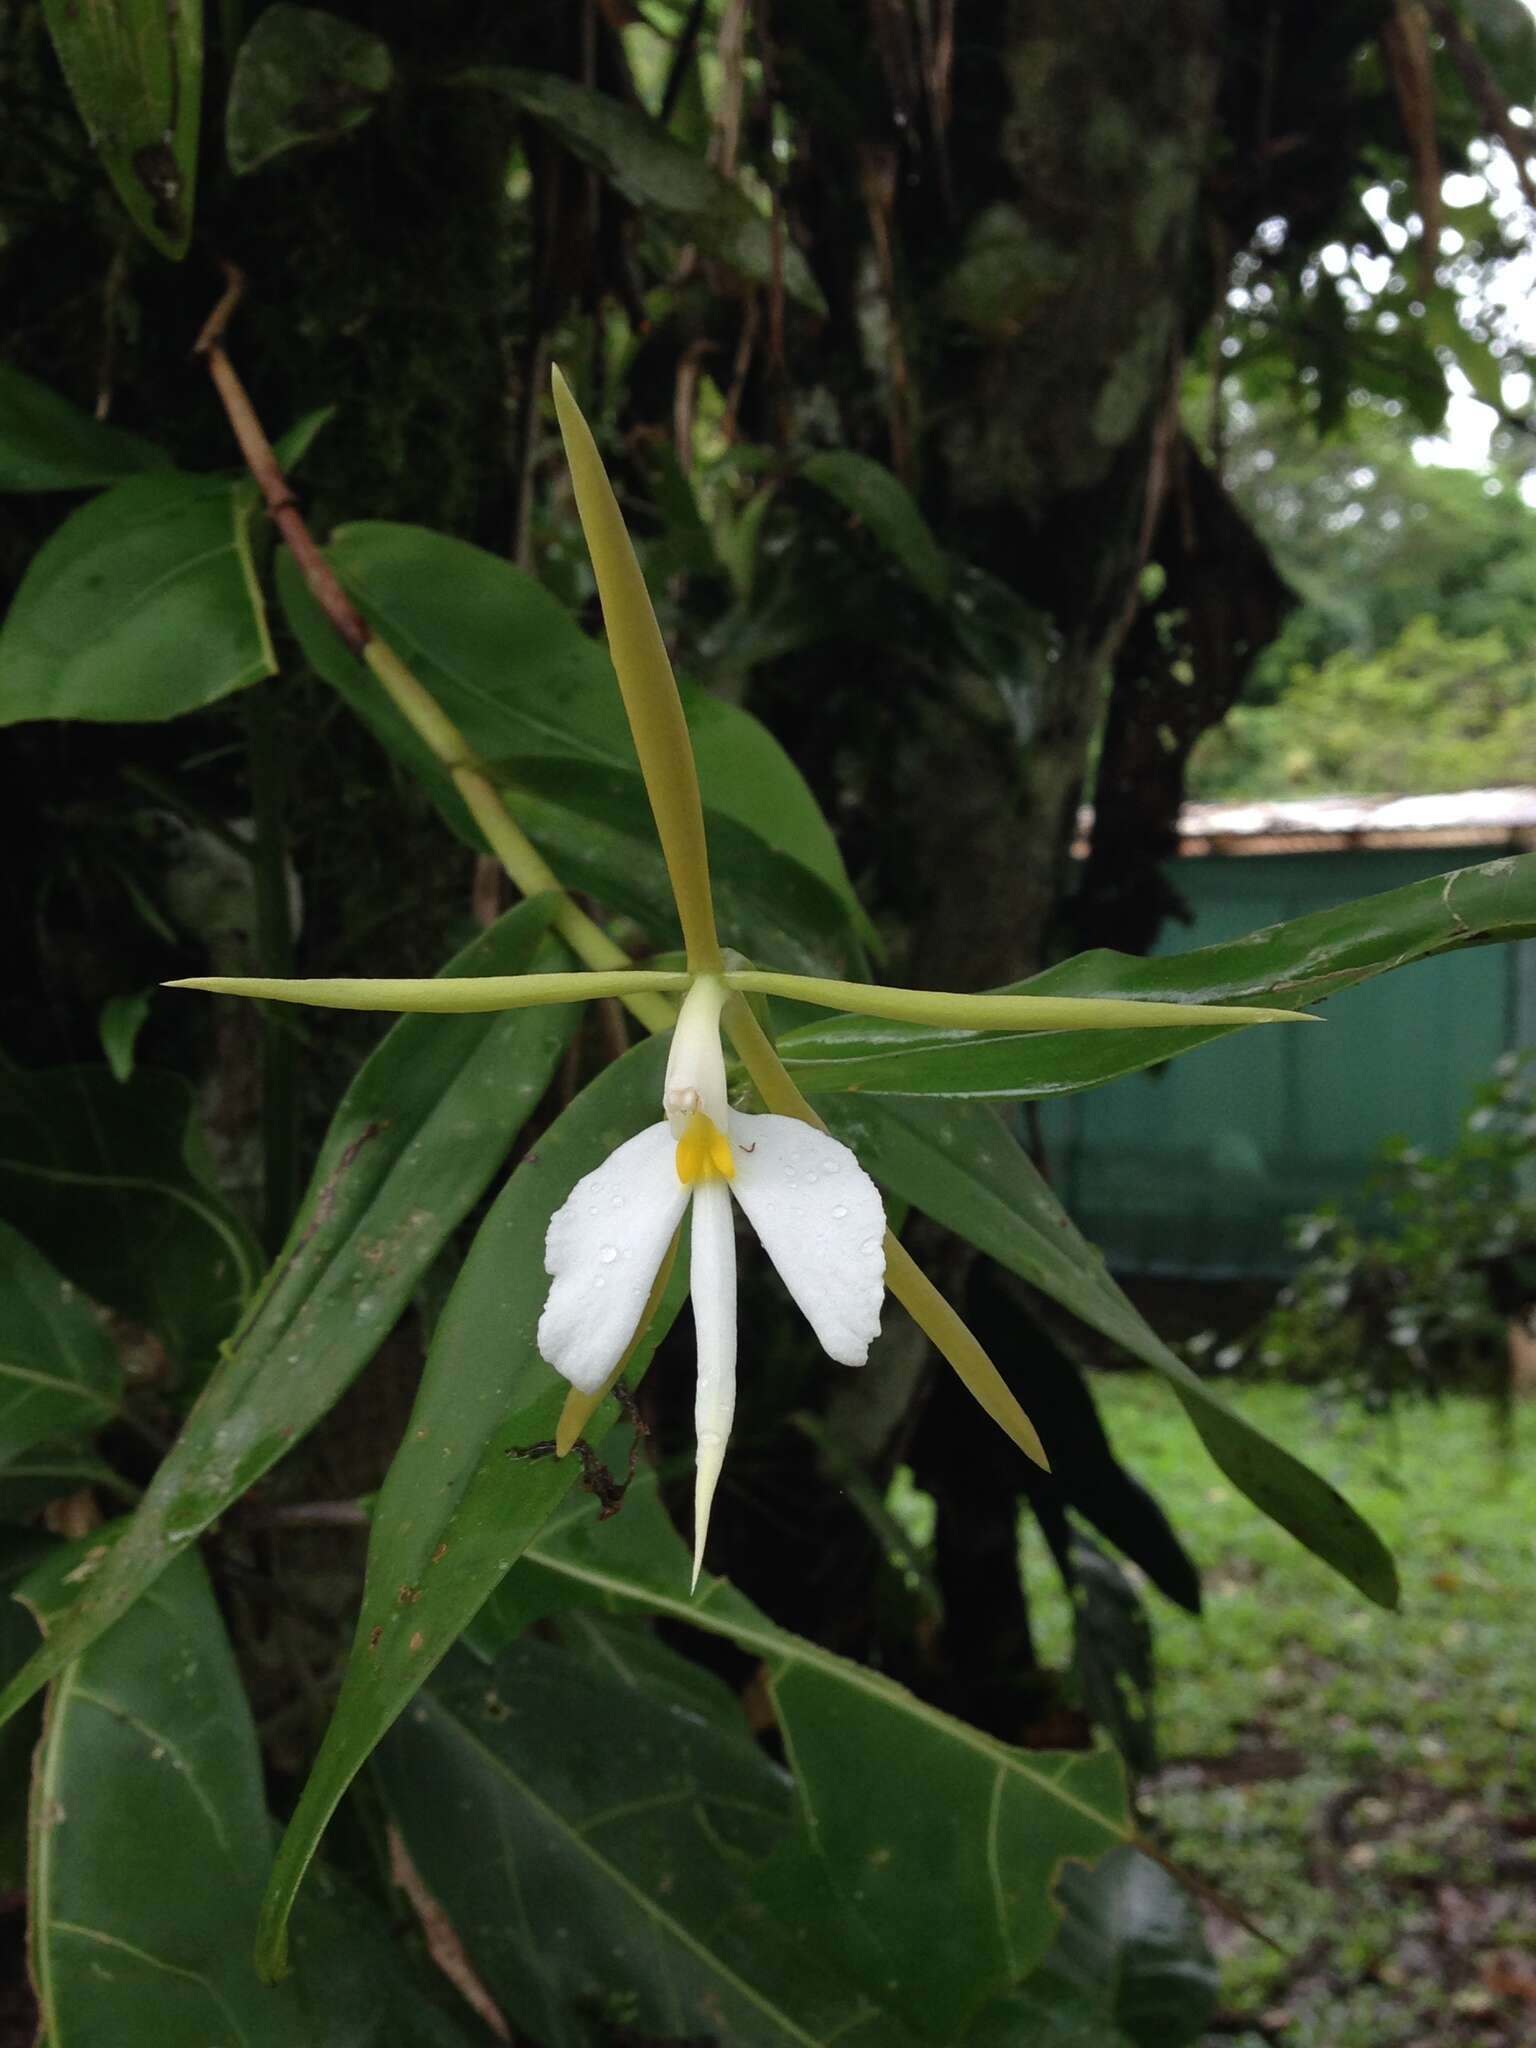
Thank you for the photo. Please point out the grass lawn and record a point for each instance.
(1364, 1783)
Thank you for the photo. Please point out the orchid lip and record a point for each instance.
(815, 1210)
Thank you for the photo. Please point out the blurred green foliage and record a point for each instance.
(1429, 712)
(1414, 1289)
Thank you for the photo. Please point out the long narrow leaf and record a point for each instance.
(457, 1510)
(956, 1162)
(1292, 965)
(415, 1141)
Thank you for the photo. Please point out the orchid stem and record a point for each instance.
(524, 864)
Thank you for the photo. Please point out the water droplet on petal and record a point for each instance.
(839, 1212)
(608, 1254)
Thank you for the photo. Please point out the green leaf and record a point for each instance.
(413, 1145)
(47, 444)
(1084, 1474)
(291, 447)
(908, 1820)
(122, 1019)
(594, 826)
(142, 606)
(956, 1163)
(587, 1829)
(1291, 966)
(745, 774)
(301, 75)
(455, 1512)
(111, 1180)
(1506, 36)
(146, 1806)
(147, 1824)
(51, 1472)
(1134, 1934)
(530, 691)
(882, 503)
(1112, 1651)
(659, 176)
(135, 68)
(1130, 1953)
(19, 1555)
(1047, 2014)
(58, 1370)
(358, 1989)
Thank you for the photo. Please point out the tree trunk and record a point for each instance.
(1037, 230)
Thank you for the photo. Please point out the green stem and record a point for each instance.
(274, 949)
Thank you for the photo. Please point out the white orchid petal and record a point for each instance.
(821, 1221)
(603, 1250)
(712, 1283)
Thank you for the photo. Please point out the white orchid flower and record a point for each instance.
(816, 1212)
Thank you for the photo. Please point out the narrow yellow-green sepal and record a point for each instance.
(444, 995)
(647, 684)
(951, 1337)
(948, 1011)
(944, 1327)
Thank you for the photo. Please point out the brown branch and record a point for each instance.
(474, 781)
(106, 362)
(1205, 1892)
(443, 1943)
(685, 395)
(730, 51)
(750, 320)
(877, 179)
(1405, 46)
(282, 507)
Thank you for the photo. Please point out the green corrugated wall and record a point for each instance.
(1193, 1169)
